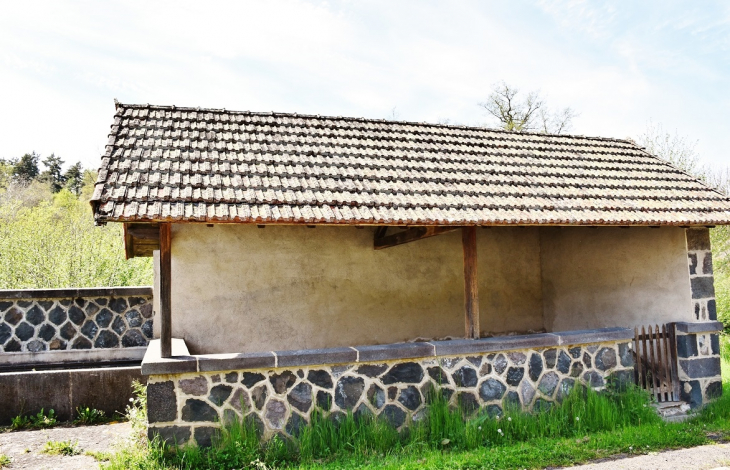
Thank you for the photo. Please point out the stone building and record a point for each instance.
(306, 261)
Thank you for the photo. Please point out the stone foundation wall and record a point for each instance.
(698, 355)
(72, 319)
(189, 407)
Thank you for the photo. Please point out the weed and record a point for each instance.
(86, 415)
(66, 448)
(99, 456)
(4, 461)
(39, 421)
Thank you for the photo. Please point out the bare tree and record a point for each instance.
(672, 147)
(530, 113)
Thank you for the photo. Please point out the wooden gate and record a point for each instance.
(656, 361)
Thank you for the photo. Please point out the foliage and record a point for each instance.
(66, 448)
(49, 240)
(4, 461)
(39, 421)
(528, 114)
(53, 174)
(26, 169)
(86, 415)
(99, 456)
(74, 178)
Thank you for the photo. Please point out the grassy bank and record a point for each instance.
(587, 425)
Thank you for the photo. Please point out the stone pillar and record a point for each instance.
(698, 354)
(700, 274)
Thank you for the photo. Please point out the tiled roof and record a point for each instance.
(208, 165)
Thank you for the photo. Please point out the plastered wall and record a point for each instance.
(238, 288)
(600, 277)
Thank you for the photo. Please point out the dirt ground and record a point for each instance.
(709, 457)
(24, 447)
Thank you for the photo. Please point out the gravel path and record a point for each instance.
(24, 447)
(714, 456)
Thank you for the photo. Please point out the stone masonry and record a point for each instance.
(698, 344)
(189, 407)
(67, 319)
(698, 355)
(699, 253)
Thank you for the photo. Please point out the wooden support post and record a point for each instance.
(471, 289)
(165, 292)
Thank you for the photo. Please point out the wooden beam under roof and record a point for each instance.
(471, 282)
(140, 240)
(165, 238)
(383, 240)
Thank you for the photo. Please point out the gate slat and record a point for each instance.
(675, 372)
(639, 357)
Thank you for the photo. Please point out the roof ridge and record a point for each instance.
(363, 119)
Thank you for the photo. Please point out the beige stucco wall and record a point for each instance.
(238, 288)
(601, 277)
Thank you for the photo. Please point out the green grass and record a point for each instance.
(66, 448)
(4, 461)
(607, 423)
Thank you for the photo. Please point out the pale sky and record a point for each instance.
(619, 64)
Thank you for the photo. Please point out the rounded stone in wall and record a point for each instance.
(46, 332)
(58, 315)
(5, 333)
(118, 304)
(467, 402)
(89, 329)
(239, 400)
(104, 317)
(300, 397)
(514, 375)
(593, 379)
(282, 381)
(24, 331)
(348, 391)
(81, 343)
(68, 331)
(403, 373)
(605, 359)
(35, 315)
(564, 361)
(12, 346)
(438, 375)
(249, 379)
(324, 400)
(500, 364)
(465, 377)
(119, 326)
(320, 378)
(197, 410)
(76, 315)
(147, 329)
(551, 356)
(528, 392)
(258, 396)
(548, 384)
(133, 338)
(134, 319)
(410, 397)
(371, 370)
(106, 339)
(535, 368)
(275, 413)
(394, 415)
(295, 425)
(36, 346)
(376, 396)
(219, 394)
(492, 389)
(13, 316)
(576, 370)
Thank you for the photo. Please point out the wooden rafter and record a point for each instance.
(382, 240)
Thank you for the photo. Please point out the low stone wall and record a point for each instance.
(698, 354)
(188, 403)
(40, 320)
